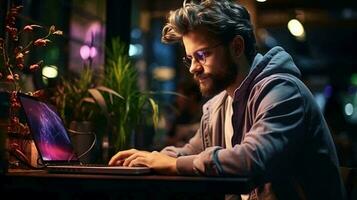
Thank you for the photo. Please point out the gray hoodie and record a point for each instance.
(280, 137)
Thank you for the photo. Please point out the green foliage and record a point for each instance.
(80, 98)
(131, 111)
(117, 98)
(71, 97)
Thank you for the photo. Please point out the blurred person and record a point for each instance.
(261, 122)
(186, 119)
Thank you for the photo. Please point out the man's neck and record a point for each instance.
(242, 73)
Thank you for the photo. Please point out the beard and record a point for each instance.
(217, 81)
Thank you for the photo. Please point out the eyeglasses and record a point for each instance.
(199, 55)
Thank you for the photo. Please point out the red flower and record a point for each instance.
(28, 28)
(20, 60)
(20, 65)
(19, 56)
(11, 30)
(15, 120)
(14, 51)
(41, 42)
(34, 67)
(10, 77)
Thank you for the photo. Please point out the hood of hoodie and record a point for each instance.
(277, 60)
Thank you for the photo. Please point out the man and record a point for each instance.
(262, 122)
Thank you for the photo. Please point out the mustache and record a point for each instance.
(197, 77)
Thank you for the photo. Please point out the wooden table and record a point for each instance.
(40, 184)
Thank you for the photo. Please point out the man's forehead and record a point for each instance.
(198, 38)
(200, 35)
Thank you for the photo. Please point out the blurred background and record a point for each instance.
(320, 35)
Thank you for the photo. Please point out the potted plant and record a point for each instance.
(72, 97)
(136, 108)
(79, 100)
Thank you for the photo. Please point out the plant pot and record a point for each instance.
(84, 141)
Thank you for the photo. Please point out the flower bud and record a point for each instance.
(16, 76)
(10, 77)
(52, 29)
(34, 67)
(58, 32)
(19, 56)
(28, 28)
(41, 42)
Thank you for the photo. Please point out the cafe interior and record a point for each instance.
(85, 34)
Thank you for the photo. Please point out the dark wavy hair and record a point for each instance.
(223, 18)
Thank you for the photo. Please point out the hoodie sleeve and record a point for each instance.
(277, 110)
(194, 146)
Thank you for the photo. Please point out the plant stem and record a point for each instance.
(7, 63)
(27, 47)
(13, 81)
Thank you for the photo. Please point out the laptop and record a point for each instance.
(54, 144)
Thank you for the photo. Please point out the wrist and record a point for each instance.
(173, 168)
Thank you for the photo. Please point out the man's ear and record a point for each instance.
(237, 46)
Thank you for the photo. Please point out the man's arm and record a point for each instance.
(194, 146)
(277, 131)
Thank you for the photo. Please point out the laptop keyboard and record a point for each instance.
(94, 165)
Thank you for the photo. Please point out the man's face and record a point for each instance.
(217, 71)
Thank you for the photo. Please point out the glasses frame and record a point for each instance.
(187, 60)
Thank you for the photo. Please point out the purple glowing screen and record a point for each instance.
(48, 131)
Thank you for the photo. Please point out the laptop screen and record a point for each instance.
(49, 134)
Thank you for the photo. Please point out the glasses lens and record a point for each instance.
(200, 56)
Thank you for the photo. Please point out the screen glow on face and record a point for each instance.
(199, 55)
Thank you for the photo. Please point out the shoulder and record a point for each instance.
(278, 88)
(282, 83)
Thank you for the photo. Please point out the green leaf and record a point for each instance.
(155, 113)
(110, 91)
(98, 97)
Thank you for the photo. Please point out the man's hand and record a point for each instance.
(119, 158)
(159, 162)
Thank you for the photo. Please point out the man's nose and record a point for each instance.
(195, 66)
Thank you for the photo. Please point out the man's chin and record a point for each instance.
(208, 91)
(209, 87)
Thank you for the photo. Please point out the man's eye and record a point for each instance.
(200, 55)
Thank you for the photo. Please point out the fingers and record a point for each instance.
(134, 156)
(138, 162)
(118, 159)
